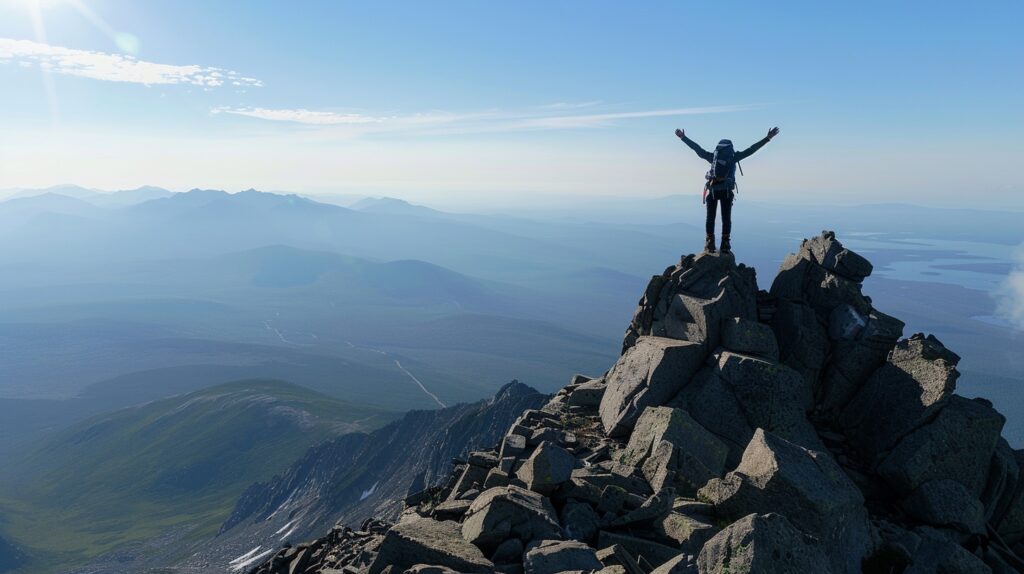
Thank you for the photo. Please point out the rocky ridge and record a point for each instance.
(786, 431)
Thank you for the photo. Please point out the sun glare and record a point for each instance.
(125, 42)
(35, 4)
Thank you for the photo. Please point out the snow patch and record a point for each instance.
(285, 527)
(367, 493)
(289, 533)
(247, 555)
(249, 558)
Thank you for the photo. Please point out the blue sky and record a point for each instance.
(449, 102)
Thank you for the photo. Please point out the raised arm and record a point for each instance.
(740, 156)
(703, 153)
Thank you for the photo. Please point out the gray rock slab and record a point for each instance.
(946, 503)
(554, 556)
(750, 337)
(426, 541)
(693, 454)
(806, 486)
(509, 512)
(914, 384)
(648, 374)
(958, 444)
(772, 396)
(765, 544)
(548, 467)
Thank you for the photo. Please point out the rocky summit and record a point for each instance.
(792, 430)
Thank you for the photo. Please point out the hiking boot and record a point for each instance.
(709, 243)
(726, 248)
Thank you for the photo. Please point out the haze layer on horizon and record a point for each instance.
(437, 104)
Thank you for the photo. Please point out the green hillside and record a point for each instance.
(173, 467)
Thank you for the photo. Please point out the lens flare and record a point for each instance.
(127, 43)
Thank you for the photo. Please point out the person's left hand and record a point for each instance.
(680, 134)
(773, 132)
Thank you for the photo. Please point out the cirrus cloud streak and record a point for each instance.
(552, 117)
(301, 116)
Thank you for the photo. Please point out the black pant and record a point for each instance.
(725, 198)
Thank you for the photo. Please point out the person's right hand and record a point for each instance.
(680, 134)
(773, 132)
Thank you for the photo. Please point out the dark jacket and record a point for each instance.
(738, 157)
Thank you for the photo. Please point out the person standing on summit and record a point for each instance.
(721, 183)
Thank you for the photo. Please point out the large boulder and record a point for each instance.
(588, 394)
(655, 507)
(855, 359)
(587, 484)
(1004, 477)
(935, 553)
(471, 477)
(553, 556)
(674, 450)
(825, 275)
(1011, 523)
(740, 393)
(509, 512)
(648, 374)
(512, 445)
(958, 444)
(762, 544)
(803, 343)
(806, 486)
(828, 252)
(549, 466)
(686, 531)
(750, 338)
(689, 301)
(710, 401)
(509, 552)
(639, 548)
(772, 396)
(946, 503)
(579, 521)
(913, 385)
(425, 541)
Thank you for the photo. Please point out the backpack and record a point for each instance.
(723, 168)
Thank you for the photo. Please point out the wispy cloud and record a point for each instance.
(1011, 304)
(548, 117)
(301, 116)
(115, 67)
(602, 120)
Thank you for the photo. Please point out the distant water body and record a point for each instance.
(973, 265)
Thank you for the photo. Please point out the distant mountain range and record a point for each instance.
(118, 198)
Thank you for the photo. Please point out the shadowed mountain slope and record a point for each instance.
(359, 475)
(169, 468)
